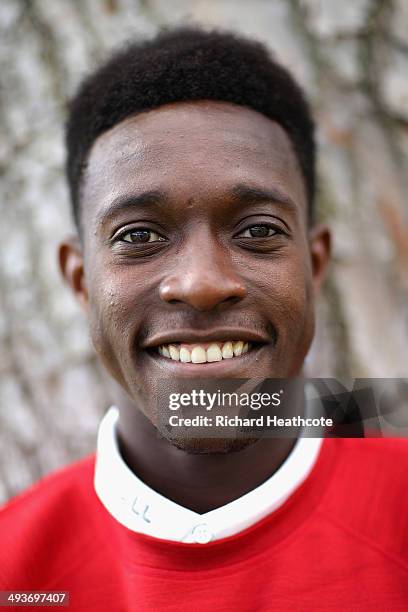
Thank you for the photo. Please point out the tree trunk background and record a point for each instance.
(352, 59)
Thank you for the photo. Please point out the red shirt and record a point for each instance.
(340, 542)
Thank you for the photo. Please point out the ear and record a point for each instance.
(320, 251)
(71, 263)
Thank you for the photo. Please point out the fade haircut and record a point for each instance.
(186, 64)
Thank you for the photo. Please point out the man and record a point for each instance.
(191, 166)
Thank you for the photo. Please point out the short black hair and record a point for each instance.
(185, 64)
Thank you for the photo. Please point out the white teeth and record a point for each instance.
(214, 353)
(174, 353)
(185, 356)
(238, 346)
(227, 351)
(198, 355)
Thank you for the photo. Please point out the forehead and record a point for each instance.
(191, 149)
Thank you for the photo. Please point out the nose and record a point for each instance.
(204, 279)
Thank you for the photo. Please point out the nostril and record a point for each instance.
(231, 300)
(202, 291)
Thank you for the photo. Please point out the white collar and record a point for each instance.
(141, 509)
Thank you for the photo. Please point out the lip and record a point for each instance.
(215, 335)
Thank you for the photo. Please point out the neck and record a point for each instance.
(200, 482)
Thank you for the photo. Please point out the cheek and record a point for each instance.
(295, 321)
(298, 331)
(297, 295)
(115, 316)
(287, 292)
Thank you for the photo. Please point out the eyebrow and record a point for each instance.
(244, 194)
(241, 193)
(123, 203)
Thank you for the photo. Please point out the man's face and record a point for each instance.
(195, 240)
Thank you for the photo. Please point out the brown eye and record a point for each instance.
(141, 236)
(259, 231)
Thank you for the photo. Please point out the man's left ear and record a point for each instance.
(71, 264)
(320, 251)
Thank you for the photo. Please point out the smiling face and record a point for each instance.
(197, 260)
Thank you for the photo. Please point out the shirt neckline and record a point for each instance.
(136, 506)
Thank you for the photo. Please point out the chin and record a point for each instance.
(211, 446)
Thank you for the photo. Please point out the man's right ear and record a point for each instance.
(71, 263)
